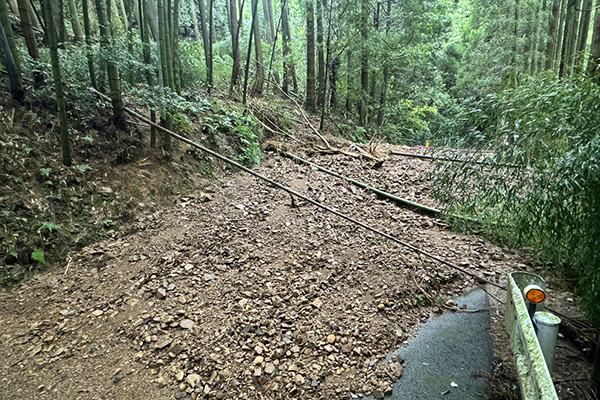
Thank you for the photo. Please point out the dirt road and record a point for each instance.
(238, 292)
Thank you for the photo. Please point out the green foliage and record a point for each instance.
(552, 203)
(38, 255)
(50, 227)
(82, 168)
(45, 171)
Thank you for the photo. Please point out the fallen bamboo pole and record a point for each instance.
(428, 157)
(427, 209)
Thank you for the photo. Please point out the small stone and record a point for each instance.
(378, 394)
(331, 339)
(328, 348)
(449, 303)
(164, 343)
(317, 303)
(209, 277)
(397, 369)
(59, 352)
(41, 388)
(186, 324)
(188, 267)
(381, 307)
(346, 348)
(97, 313)
(175, 350)
(269, 368)
(314, 383)
(299, 380)
(192, 380)
(161, 381)
(118, 376)
(258, 360)
(179, 375)
(161, 293)
(258, 350)
(257, 371)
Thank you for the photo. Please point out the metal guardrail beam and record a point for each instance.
(532, 372)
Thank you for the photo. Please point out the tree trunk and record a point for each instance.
(269, 21)
(321, 84)
(560, 35)
(234, 29)
(287, 51)
(364, 66)
(515, 50)
(14, 8)
(260, 69)
(595, 48)
(574, 36)
(195, 21)
(143, 17)
(568, 39)
(61, 29)
(535, 43)
(349, 81)
(333, 78)
(253, 24)
(30, 40)
(175, 39)
(16, 90)
(75, 21)
(10, 37)
(310, 56)
(205, 32)
(551, 45)
(584, 29)
(209, 63)
(386, 70)
(58, 85)
(114, 81)
(88, 44)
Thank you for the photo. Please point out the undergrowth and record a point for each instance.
(551, 202)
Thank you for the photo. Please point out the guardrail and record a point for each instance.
(532, 372)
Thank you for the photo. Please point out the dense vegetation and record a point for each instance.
(517, 77)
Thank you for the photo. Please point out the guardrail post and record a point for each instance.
(532, 371)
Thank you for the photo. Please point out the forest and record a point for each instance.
(514, 85)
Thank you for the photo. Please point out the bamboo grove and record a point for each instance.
(315, 50)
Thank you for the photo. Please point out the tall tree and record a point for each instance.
(320, 56)
(114, 81)
(88, 44)
(205, 32)
(269, 20)
(386, 68)
(289, 73)
(552, 26)
(9, 63)
(10, 37)
(195, 20)
(234, 29)
(175, 47)
(254, 23)
(568, 37)
(211, 27)
(259, 82)
(364, 64)
(594, 60)
(58, 83)
(30, 40)
(144, 17)
(536, 33)
(310, 56)
(560, 34)
(584, 28)
(75, 21)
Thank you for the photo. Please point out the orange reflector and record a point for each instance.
(535, 295)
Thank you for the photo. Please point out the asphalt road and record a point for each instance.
(447, 353)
